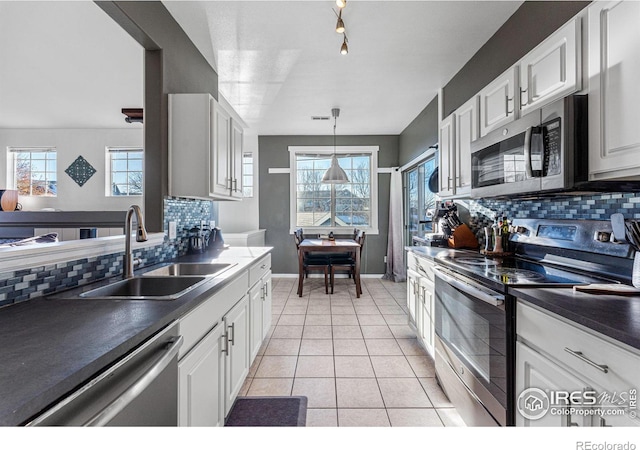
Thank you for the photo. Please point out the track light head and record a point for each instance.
(341, 3)
(340, 24)
(344, 49)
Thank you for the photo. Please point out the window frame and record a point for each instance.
(111, 149)
(372, 151)
(11, 166)
(246, 154)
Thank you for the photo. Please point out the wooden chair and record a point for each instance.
(347, 263)
(312, 262)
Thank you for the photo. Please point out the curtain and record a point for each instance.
(396, 270)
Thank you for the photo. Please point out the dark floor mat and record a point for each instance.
(268, 412)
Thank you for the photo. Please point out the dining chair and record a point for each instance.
(347, 262)
(310, 262)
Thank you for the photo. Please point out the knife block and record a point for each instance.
(463, 237)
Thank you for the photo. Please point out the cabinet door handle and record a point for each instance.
(232, 339)
(526, 102)
(235, 183)
(580, 356)
(507, 105)
(263, 266)
(225, 350)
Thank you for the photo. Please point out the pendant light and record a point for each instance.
(341, 3)
(335, 174)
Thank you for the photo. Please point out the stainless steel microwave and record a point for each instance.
(543, 151)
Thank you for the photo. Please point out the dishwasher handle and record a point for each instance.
(116, 406)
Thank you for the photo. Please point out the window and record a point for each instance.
(319, 206)
(247, 174)
(126, 171)
(34, 171)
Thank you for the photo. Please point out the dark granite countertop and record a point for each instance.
(615, 316)
(51, 345)
(428, 252)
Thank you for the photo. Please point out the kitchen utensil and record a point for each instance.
(632, 234)
(619, 230)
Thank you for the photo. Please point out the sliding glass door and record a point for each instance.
(419, 201)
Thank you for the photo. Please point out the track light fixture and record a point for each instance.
(340, 28)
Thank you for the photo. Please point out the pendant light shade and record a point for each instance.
(335, 174)
(341, 3)
(340, 26)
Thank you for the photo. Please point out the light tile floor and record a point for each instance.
(356, 359)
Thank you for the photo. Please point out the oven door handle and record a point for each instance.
(469, 288)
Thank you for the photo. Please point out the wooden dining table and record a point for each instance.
(325, 245)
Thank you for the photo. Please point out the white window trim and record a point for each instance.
(328, 150)
(109, 171)
(11, 169)
(253, 175)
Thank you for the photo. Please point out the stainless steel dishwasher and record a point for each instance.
(140, 389)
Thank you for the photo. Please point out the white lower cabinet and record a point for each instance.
(222, 337)
(237, 361)
(420, 299)
(537, 372)
(425, 325)
(201, 382)
(589, 380)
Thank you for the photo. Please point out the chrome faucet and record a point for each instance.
(141, 236)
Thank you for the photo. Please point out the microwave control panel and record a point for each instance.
(552, 147)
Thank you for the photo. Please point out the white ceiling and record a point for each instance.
(66, 65)
(278, 62)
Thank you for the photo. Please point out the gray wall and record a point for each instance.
(527, 27)
(172, 65)
(420, 134)
(274, 197)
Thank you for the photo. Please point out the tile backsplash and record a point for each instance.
(592, 207)
(20, 285)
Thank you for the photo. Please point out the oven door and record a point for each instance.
(471, 325)
(509, 160)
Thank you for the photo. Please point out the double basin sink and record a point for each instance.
(165, 283)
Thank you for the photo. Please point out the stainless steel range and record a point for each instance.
(475, 309)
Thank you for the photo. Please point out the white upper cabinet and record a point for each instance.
(498, 103)
(446, 156)
(205, 149)
(466, 131)
(614, 90)
(553, 69)
(236, 159)
(222, 181)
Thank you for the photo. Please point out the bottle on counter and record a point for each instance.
(497, 237)
(505, 234)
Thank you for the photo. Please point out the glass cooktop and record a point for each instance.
(516, 271)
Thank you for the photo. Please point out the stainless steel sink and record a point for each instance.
(189, 269)
(146, 288)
